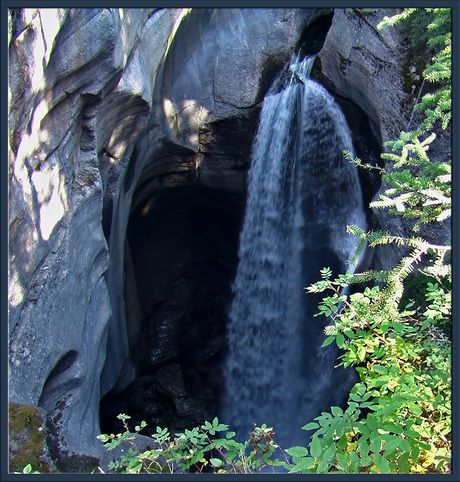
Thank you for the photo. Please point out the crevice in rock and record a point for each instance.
(64, 363)
(312, 39)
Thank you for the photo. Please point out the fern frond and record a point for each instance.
(370, 275)
(388, 21)
(361, 234)
(444, 215)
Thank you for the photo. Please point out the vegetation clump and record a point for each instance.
(209, 448)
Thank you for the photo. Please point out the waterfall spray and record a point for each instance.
(301, 196)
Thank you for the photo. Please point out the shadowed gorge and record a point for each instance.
(183, 250)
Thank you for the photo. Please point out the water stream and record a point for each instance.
(301, 195)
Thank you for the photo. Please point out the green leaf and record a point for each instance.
(380, 369)
(206, 426)
(322, 467)
(355, 397)
(371, 422)
(393, 427)
(303, 466)
(391, 408)
(363, 446)
(354, 458)
(376, 444)
(216, 462)
(326, 311)
(381, 463)
(343, 459)
(411, 433)
(340, 339)
(27, 469)
(391, 445)
(336, 411)
(402, 462)
(297, 452)
(315, 447)
(342, 442)
(414, 408)
(329, 454)
(404, 445)
(328, 341)
(360, 388)
(311, 426)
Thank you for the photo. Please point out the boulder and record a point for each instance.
(26, 439)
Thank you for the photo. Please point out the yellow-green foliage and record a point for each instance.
(26, 438)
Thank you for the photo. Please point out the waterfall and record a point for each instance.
(301, 195)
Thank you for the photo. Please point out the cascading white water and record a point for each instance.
(301, 196)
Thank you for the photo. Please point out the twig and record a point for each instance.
(415, 105)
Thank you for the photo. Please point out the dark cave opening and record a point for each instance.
(183, 244)
(312, 39)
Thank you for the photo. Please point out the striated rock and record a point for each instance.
(355, 52)
(96, 115)
(73, 99)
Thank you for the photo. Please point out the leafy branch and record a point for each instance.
(202, 448)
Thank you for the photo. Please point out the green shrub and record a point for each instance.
(201, 449)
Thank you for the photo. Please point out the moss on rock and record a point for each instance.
(26, 439)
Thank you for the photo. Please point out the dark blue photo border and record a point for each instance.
(5, 5)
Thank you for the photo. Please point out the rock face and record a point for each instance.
(376, 71)
(130, 139)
